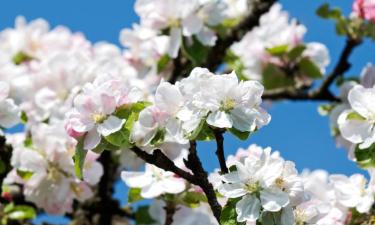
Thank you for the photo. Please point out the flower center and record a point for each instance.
(228, 104)
(252, 187)
(98, 117)
(280, 182)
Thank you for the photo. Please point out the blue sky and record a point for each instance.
(296, 129)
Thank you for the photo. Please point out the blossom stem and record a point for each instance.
(220, 150)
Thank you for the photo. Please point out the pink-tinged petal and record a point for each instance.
(108, 104)
(92, 139)
(85, 104)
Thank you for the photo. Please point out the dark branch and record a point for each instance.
(220, 150)
(160, 160)
(194, 164)
(170, 209)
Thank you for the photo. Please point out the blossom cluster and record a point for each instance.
(277, 42)
(45, 168)
(267, 188)
(80, 98)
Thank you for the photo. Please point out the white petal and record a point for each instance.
(207, 37)
(4, 90)
(111, 125)
(232, 190)
(191, 25)
(219, 119)
(92, 139)
(93, 173)
(248, 208)
(168, 98)
(136, 179)
(362, 101)
(356, 131)
(152, 191)
(287, 216)
(175, 42)
(273, 199)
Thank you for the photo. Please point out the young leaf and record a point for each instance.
(365, 157)
(134, 195)
(296, 52)
(355, 116)
(193, 199)
(278, 50)
(309, 69)
(162, 63)
(25, 175)
(274, 77)
(240, 134)
(228, 214)
(143, 217)
(79, 158)
(21, 212)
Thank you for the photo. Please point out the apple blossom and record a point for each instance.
(357, 124)
(154, 181)
(45, 166)
(9, 112)
(266, 183)
(92, 116)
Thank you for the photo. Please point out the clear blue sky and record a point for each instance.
(296, 129)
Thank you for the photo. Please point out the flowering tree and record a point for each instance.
(189, 72)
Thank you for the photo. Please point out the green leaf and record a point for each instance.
(193, 199)
(25, 175)
(274, 77)
(326, 12)
(296, 52)
(278, 50)
(24, 117)
(79, 158)
(134, 195)
(119, 138)
(240, 134)
(143, 217)
(206, 133)
(21, 212)
(355, 116)
(228, 214)
(309, 69)
(365, 158)
(196, 52)
(162, 63)
(28, 142)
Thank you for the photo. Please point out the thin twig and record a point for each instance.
(220, 150)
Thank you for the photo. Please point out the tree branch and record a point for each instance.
(170, 209)
(194, 164)
(160, 160)
(220, 150)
